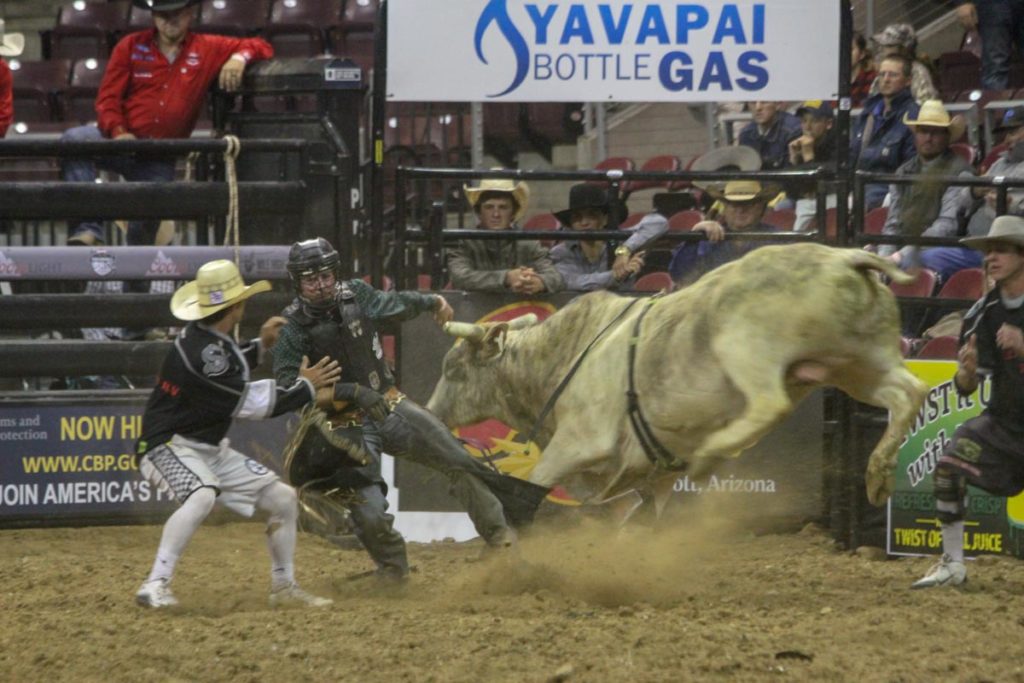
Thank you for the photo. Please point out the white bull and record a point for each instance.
(718, 364)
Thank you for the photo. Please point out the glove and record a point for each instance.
(371, 403)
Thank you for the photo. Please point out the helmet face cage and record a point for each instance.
(311, 257)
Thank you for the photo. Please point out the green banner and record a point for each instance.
(994, 525)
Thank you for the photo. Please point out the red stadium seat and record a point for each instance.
(37, 87)
(388, 283)
(683, 221)
(542, 221)
(968, 283)
(233, 17)
(88, 29)
(991, 158)
(80, 97)
(874, 220)
(959, 71)
(660, 163)
(654, 282)
(613, 164)
(783, 219)
(830, 224)
(298, 29)
(964, 151)
(632, 219)
(922, 286)
(940, 348)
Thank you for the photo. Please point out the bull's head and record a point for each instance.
(470, 388)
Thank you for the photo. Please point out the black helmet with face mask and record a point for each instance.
(312, 257)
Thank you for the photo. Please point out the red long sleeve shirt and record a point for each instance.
(6, 98)
(143, 94)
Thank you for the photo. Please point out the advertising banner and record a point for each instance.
(626, 51)
(994, 525)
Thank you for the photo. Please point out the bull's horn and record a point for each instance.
(464, 330)
(526, 320)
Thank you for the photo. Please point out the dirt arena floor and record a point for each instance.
(709, 603)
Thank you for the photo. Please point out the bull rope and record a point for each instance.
(232, 234)
(569, 375)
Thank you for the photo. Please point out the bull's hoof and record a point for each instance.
(879, 488)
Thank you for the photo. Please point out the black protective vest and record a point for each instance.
(347, 335)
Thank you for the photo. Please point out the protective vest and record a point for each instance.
(347, 335)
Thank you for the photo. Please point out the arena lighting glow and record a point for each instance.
(219, 4)
(91, 64)
(14, 64)
(78, 5)
(20, 127)
(974, 96)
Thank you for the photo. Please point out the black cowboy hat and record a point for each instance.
(164, 5)
(590, 196)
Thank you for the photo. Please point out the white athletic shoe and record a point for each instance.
(156, 594)
(293, 596)
(945, 572)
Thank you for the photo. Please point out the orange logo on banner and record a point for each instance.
(495, 441)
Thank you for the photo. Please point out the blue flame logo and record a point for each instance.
(497, 12)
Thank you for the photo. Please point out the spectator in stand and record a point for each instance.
(11, 45)
(880, 141)
(770, 133)
(813, 149)
(862, 70)
(1000, 24)
(928, 207)
(584, 264)
(981, 201)
(519, 266)
(744, 204)
(154, 87)
(900, 39)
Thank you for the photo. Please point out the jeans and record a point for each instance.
(947, 260)
(131, 169)
(1000, 25)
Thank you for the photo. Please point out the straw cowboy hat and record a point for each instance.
(164, 5)
(1004, 230)
(933, 114)
(11, 44)
(741, 190)
(218, 284)
(518, 189)
(737, 157)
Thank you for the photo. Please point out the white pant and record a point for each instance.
(184, 465)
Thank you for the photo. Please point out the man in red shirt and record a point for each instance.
(11, 45)
(154, 87)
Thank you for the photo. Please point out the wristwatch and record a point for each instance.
(622, 250)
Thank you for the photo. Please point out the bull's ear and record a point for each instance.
(493, 342)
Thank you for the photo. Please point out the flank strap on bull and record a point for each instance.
(653, 449)
(572, 371)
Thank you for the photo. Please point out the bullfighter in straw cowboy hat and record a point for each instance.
(986, 451)
(519, 266)
(203, 384)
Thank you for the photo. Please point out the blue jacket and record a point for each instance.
(891, 143)
(773, 146)
(690, 260)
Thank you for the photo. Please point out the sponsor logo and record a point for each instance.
(632, 41)
(256, 468)
(163, 265)
(215, 360)
(143, 74)
(102, 262)
(9, 268)
(192, 59)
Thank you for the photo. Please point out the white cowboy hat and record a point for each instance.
(740, 157)
(934, 115)
(218, 284)
(1005, 230)
(519, 190)
(11, 44)
(741, 190)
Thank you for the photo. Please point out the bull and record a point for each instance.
(713, 368)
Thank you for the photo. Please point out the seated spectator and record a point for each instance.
(928, 207)
(154, 87)
(862, 70)
(770, 133)
(744, 204)
(520, 266)
(813, 149)
(900, 39)
(732, 158)
(981, 201)
(880, 142)
(11, 45)
(584, 264)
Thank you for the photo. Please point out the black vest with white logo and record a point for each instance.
(347, 335)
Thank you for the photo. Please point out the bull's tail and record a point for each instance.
(865, 260)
